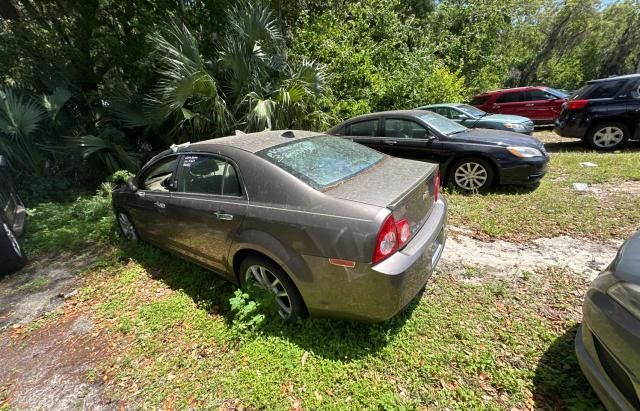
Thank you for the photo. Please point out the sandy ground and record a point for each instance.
(474, 259)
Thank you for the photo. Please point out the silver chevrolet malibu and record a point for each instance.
(328, 227)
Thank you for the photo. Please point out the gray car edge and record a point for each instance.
(607, 342)
(312, 227)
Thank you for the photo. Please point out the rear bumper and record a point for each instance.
(606, 345)
(571, 125)
(525, 171)
(377, 292)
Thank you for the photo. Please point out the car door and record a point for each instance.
(207, 207)
(407, 138)
(365, 132)
(149, 203)
(540, 106)
(633, 108)
(509, 103)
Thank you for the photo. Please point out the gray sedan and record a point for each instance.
(473, 117)
(328, 227)
(608, 341)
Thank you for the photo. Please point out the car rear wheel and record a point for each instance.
(260, 275)
(127, 228)
(607, 137)
(472, 175)
(12, 256)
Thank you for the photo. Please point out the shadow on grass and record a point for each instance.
(558, 381)
(577, 146)
(331, 339)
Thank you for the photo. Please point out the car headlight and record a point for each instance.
(628, 296)
(514, 126)
(524, 152)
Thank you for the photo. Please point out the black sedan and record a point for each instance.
(608, 341)
(471, 159)
(12, 218)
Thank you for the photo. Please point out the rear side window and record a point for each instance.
(202, 174)
(322, 161)
(479, 100)
(602, 89)
(364, 128)
(511, 97)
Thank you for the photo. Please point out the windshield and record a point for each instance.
(322, 161)
(470, 110)
(441, 124)
(557, 93)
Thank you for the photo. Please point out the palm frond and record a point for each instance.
(112, 154)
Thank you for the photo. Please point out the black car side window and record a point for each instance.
(364, 128)
(203, 174)
(635, 90)
(159, 177)
(400, 128)
(511, 97)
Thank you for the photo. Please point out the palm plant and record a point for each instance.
(250, 84)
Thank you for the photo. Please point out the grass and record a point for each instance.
(34, 285)
(491, 344)
(554, 208)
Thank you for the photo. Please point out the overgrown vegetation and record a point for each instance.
(92, 86)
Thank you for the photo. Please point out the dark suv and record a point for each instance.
(605, 113)
(12, 219)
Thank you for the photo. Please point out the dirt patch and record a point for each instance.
(54, 367)
(39, 288)
(474, 259)
(605, 191)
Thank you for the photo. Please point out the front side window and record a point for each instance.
(364, 128)
(322, 161)
(203, 174)
(535, 95)
(159, 177)
(401, 128)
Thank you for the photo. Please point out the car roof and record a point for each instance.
(509, 90)
(402, 113)
(443, 105)
(627, 76)
(253, 142)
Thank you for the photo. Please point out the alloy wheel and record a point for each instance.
(12, 239)
(267, 281)
(127, 227)
(608, 137)
(471, 176)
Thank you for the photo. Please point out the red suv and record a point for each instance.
(540, 104)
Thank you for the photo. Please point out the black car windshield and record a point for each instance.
(470, 110)
(442, 124)
(322, 161)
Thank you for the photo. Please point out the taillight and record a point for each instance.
(387, 242)
(403, 230)
(436, 185)
(577, 104)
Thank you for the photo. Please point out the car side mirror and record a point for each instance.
(4, 162)
(462, 117)
(131, 184)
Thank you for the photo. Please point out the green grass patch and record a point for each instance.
(34, 285)
(554, 208)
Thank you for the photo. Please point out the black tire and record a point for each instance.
(481, 168)
(293, 299)
(608, 136)
(129, 233)
(12, 257)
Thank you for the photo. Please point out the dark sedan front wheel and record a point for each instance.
(278, 292)
(472, 175)
(12, 256)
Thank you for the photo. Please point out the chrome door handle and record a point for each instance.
(220, 215)
(158, 204)
(529, 105)
(140, 194)
(391, 142)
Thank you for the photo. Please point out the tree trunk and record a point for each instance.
(7, 10)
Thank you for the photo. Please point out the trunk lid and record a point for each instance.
(405, 187)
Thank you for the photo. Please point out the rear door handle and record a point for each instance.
(390, 142)
(158, 204)
(529, 105)
(221, 215)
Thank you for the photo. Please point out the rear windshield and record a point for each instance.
(322, 161)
